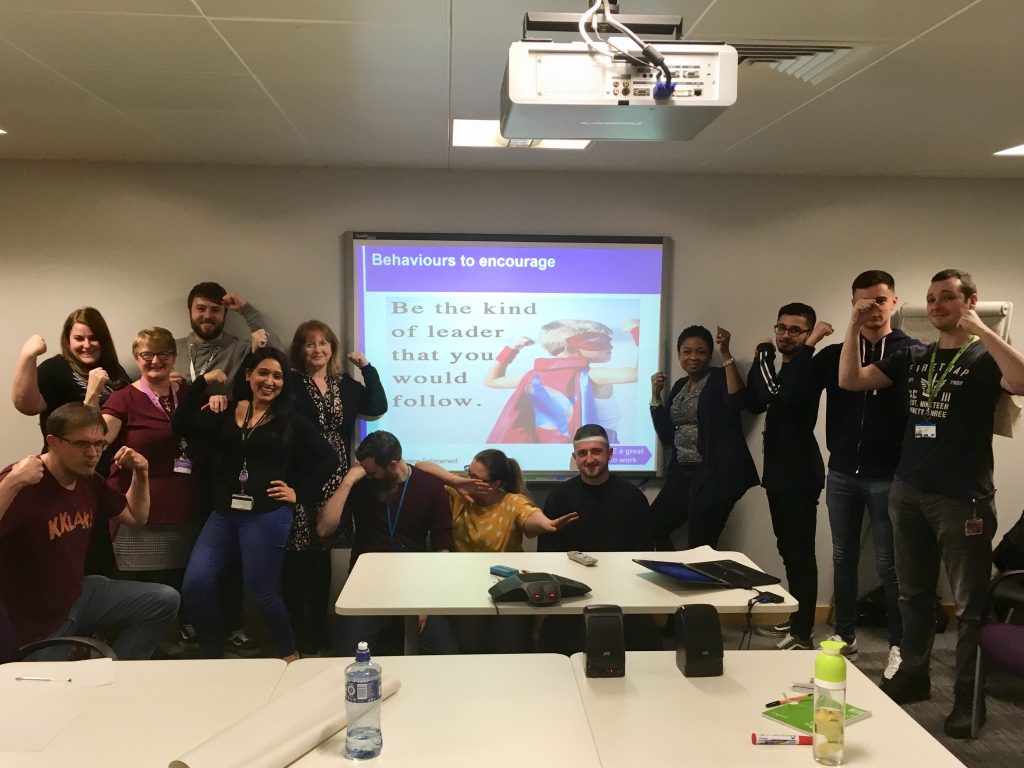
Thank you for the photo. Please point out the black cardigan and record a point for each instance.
(727, 469)
(357, 399)
(288, 447)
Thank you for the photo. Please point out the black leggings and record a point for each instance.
(305, 588)
(675, 506)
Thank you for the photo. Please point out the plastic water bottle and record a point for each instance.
(829, 703)
(362, 706)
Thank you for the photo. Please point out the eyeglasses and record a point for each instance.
(148, 356)
(790, 330)
(85, 445)
(471, 476)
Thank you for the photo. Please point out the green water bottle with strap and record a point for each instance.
(829, 703)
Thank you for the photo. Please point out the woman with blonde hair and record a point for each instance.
(333, 401)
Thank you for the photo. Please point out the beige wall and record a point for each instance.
(131, 240)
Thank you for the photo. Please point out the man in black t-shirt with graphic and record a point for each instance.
(942, 501)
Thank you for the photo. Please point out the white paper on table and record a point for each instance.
(282, 730)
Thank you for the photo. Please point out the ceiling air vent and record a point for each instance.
(811, 62)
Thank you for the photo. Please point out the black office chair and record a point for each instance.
(10, 651)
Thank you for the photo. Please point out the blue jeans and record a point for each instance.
(847, 497)
(141, 612)
(258, 541)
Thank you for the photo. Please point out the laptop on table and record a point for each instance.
(721, 574)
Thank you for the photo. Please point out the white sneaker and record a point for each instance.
(893, 665)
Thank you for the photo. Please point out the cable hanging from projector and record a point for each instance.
(651, 55)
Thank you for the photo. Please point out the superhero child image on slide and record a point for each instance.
(562, 392)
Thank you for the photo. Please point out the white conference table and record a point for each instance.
(502, 710)
(152, 713)
(456, 583)
(656, 717)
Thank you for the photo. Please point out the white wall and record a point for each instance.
(132, 239)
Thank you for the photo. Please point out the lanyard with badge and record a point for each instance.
(927, 429)
(192, 355)
(397, 546)
(182, 464)
(241, 500)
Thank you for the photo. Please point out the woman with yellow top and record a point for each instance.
(491, 513)
(490, 509)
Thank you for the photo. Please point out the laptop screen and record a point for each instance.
(679, 572)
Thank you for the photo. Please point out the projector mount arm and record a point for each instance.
(603, 16)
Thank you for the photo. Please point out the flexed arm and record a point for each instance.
(496, 378)
(25, 392)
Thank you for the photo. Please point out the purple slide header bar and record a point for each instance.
(478, 268)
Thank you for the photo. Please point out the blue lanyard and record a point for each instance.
(393, 526)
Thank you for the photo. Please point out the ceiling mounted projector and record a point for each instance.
(568, 91)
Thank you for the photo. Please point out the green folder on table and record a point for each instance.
(800, 714)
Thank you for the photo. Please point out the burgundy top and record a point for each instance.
(425, 514)
(43, 538)
(147, 429)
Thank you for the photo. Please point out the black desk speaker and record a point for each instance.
(604, 641)
(699, 638)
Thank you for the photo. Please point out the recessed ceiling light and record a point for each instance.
(487, 133)
(3, 132)
(1018, 150)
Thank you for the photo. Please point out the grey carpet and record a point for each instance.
(1000, 742)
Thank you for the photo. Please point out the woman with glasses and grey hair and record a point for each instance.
(139, 416)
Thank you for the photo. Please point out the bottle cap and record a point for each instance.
(363, 651)
(830, 665)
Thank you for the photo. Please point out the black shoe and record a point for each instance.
(906, 687)
(958, 724)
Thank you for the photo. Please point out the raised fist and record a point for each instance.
(34, 347)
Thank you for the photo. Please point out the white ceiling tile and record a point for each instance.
(366, 83)
(420, 12)
(368, 141)
(101, 41)
(384, 54)
(208, 91)
(84, 134)
(41, 88)
(11, 58)
(902, 117)
(824, 19)
(179, 7)
(230, 137)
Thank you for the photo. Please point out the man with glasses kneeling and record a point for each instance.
(48, 506)
(793, 473)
